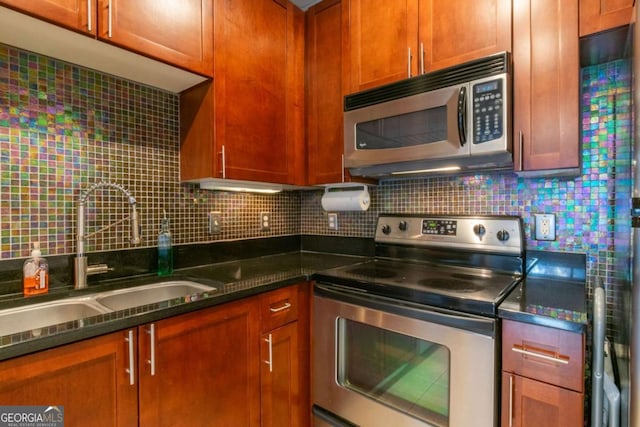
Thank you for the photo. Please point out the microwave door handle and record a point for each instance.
(462, 115)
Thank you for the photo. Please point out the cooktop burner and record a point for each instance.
(461, 263)
(452, 285)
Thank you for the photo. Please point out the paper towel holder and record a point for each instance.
(346, 197)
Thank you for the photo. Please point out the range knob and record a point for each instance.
(386, 229)
(479, 230)
(403, 226)
(503, 235)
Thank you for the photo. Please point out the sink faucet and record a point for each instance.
(81, 267)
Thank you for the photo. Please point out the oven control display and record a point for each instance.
(439, 227)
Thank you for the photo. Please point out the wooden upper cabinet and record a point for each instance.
(390, 41)
(600, 15)
(546, 85)
(178, 32)
(453, 32)
(78, 15)
(380, 38)
(248, 124)
(172, 31)
(325, 140)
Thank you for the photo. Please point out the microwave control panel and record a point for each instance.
(488, 110)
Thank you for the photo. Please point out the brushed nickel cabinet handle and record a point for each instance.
(270, 361)
(224, 163)
(89, 20)
(152, 352)
(131, 369)
(285, 306)
(521, 147)
(510, 400)
(409, 62)
(539, 355)
(110, 22)
(421, 58)
(342, 170)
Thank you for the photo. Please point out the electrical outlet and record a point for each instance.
(215, 222)
(332, 221)
(545, 228)
(265, 221)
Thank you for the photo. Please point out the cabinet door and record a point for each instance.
(89, 378)
(453, 32)
(546, 84)
(280, 377)
(79, 15)
(530, 403)
(179, 33)
(259, 90)
(601, 15)
(201, 368)
(325, 141)
(381, 42)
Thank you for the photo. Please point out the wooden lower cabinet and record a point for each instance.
(284, 375)
(89, 379)
(542, 376)
(201, 369)
(280, 377)
(529, 403)
(205, 368)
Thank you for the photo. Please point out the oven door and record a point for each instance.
(380, 363)
(429, 125)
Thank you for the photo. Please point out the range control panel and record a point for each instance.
(492, 233)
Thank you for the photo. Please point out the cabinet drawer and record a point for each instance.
(279, 307)
(546, 354)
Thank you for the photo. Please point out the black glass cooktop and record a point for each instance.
(469, 289)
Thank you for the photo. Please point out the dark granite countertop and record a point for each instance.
(233, 280)
(552, 294)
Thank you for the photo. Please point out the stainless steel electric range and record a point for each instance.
(410, 338)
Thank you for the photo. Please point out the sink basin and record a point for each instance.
(37, 316)
(149, 294)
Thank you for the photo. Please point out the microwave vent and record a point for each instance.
(488, 66)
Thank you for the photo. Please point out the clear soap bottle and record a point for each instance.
(165, 249)
(35, 273)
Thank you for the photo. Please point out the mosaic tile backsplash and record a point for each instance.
(63, 128)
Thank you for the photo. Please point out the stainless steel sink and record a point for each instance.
(149, 294)
(38, 316)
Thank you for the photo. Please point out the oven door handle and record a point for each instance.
(330, 417)
(469, 322)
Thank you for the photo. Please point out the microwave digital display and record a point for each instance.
(486, 87)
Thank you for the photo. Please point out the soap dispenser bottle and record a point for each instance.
(35, 271)
(165, 250)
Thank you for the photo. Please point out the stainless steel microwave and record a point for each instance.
(455, 119)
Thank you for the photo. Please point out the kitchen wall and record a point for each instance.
(63, 128)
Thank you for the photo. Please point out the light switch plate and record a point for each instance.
(545, 227)
(332, 221)
(215, 222)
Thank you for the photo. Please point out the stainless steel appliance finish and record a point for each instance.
(457, 117)
(410, 337)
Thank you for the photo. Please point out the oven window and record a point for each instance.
(400, 371)
(405, 130)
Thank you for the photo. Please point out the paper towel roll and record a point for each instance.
(345, 197)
